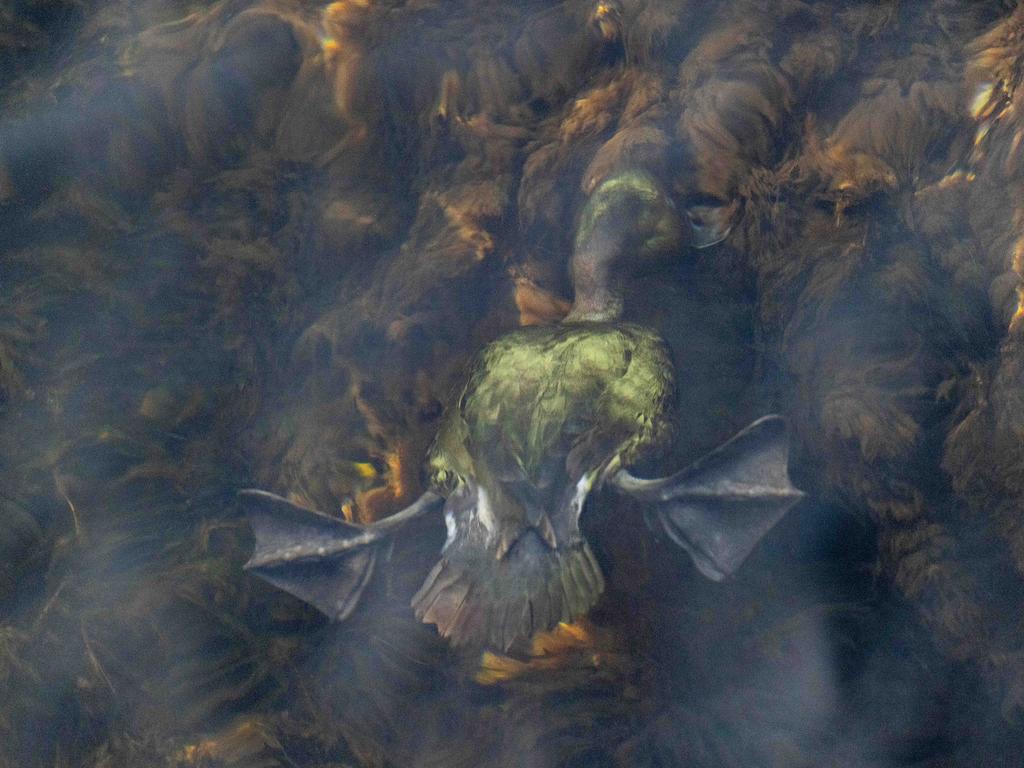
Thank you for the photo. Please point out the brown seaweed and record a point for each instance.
(255, 242)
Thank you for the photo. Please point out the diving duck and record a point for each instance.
(547, 416)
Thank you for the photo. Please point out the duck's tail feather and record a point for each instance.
(486, 602)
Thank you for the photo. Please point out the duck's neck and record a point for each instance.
(627, 218)
(598, 292)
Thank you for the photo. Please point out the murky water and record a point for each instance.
(250, 244)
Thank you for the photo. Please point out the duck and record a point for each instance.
(548, 416)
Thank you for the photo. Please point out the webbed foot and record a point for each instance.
(319, 559)
(723, 504)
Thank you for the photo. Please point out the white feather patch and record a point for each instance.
(485, 512)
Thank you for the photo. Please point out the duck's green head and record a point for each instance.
(628, 222)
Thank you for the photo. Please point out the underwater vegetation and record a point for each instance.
(258, 244)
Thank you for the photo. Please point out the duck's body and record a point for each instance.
(542, 403)
(547, 415)
(543, 413)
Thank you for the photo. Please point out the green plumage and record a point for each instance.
(543, 412)
(543, 405)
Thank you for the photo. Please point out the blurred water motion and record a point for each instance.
(256, 243)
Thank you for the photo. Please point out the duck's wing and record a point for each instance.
(319, 559)
(721, 506)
